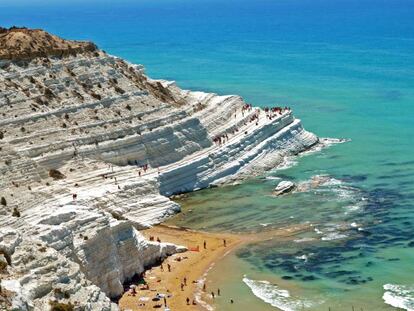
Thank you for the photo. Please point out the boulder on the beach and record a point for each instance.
(283, 187)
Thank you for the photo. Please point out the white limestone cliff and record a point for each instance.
(85, 123)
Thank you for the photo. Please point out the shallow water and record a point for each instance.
(347, 70)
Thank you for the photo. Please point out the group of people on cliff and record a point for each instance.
(272, 112)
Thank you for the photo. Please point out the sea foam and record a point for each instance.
(275, 296)
(399, 296)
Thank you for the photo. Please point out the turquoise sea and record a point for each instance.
(346, 67)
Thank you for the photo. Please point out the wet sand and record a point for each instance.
(192, 265)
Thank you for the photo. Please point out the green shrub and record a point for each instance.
(55, 174)
(60, 306)
(16, 212)
(3, 266)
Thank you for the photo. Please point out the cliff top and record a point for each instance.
(23, 43)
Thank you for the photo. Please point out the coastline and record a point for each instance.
(138, 141)
(194, 266)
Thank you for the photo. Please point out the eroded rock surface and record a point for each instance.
(284, 187)
(90, 150)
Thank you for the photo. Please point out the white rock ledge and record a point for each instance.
(98, 120)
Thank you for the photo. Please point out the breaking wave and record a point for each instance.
(275, 296)
(287, 162)
(399, 296)
(325, 143)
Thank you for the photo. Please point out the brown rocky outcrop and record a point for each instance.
(25, 44)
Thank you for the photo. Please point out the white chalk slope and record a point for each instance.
(96, 119)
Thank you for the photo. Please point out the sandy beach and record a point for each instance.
(191, 265)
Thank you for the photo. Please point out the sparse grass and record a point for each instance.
(60, 306)
(116, 216)
(119, 90)
(16, 212)
(48, 93)
(96, 96)
(55, 174)
(3, 266)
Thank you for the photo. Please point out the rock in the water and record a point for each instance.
(284, 187)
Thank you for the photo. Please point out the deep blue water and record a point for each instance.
(347, 70)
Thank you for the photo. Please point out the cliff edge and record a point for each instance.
(91, 149)
(19, 43)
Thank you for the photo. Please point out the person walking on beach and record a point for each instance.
(165, 302)
(168, 267)
(162, 268)
(224, 243)
(205, 244)
(218, 292)
(182, 287)
(212, 295)
(188, 301)
(185, 281)
(204, 287)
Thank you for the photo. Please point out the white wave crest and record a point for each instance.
(304, 240)
(325, 143)
(333, 236)
(288, 162)
(272, 178)
(399, 296)
(275, 296)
